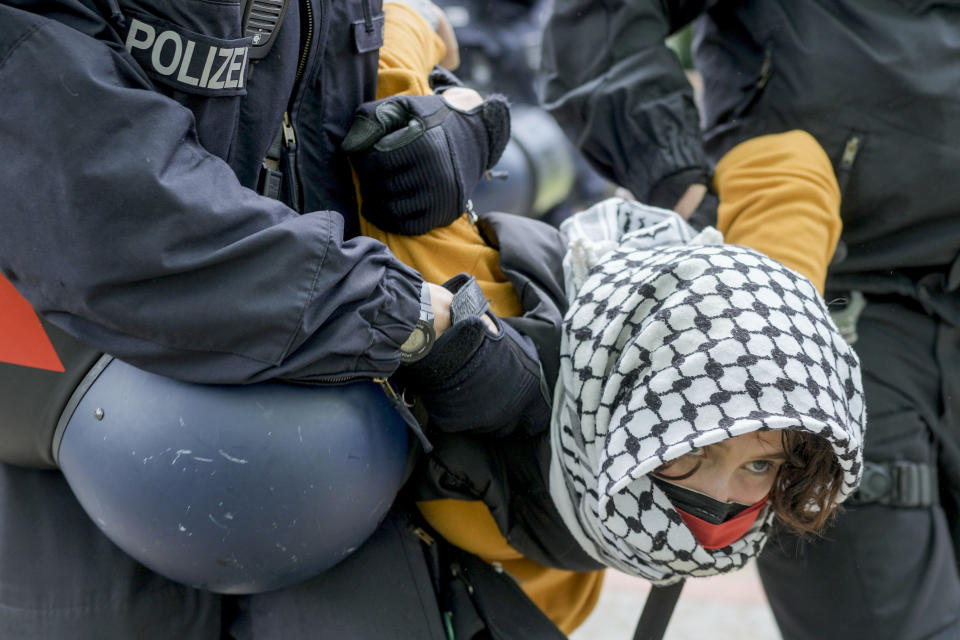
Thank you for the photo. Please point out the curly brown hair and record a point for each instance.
(804, 494)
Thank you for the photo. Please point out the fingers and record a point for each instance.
(392, 115)
(440, 300)
(690, 200)
(365, 131)
(451, 59)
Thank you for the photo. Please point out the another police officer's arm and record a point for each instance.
(121, 228)
(622, 94)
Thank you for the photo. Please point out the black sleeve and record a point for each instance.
(121, 228)
(622, 95)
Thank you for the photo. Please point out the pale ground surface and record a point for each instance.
(728, 607)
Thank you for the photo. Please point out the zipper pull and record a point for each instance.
(424, 536)
(291, 180)
(405, 412)
(850, 151)
(289, 138)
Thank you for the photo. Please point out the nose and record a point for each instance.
(714, 482)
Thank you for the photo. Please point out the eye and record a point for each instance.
(759, 467)
(696, 452)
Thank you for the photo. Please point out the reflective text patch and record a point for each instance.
(188, 61)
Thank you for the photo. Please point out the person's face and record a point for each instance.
(740, 469)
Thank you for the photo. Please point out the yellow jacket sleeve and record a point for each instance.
(778, 194)
(410, 51)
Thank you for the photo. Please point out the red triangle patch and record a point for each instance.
(22, 338)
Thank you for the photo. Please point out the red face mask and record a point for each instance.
(716, 536)
(714, 523)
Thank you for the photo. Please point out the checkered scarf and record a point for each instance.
(674, 341)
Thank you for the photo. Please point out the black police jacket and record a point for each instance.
(133, 134)
(878, 86)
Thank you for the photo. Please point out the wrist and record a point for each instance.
(420, 341)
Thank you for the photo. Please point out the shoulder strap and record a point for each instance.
(657, 612)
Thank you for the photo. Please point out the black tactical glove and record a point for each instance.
(441, 79)
(418, 159)
(475, 380)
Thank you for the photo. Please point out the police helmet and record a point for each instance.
(233, 489)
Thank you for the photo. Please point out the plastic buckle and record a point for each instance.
(875, 484)
(897, 484)
(914, 484)
(269, 182)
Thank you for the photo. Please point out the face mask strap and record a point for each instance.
(699, 504)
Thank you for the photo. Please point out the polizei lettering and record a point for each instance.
(188, 61)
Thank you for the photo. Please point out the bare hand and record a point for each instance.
(690, 200)
(451, 59)
(440, 300)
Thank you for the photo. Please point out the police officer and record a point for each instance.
(876, 84)
(176, 196)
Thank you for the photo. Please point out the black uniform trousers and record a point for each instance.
(61, 578)
(884, 572)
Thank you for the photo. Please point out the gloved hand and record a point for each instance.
(477, 380)
(418, 158)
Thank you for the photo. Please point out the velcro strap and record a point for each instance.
(897, 484)
(271, 178)
(468, 299)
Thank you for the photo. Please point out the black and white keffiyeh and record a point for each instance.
(673, 341)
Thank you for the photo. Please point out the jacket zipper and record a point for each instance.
(289, 134)
(307, 41)
(290, 148)
(850, 150)
(395, 399)
(398, 403)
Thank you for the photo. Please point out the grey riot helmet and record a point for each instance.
(234, 489)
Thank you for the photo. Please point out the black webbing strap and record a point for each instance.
(657, 611)
(468, 298)
(897, 484)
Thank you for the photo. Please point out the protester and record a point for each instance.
(628, 475)
(876, 86)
